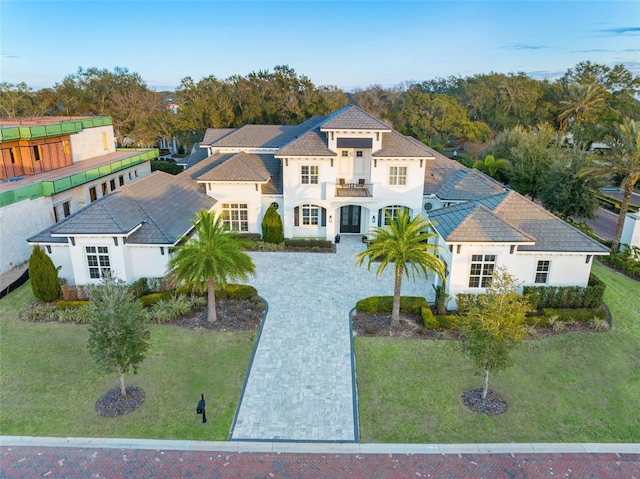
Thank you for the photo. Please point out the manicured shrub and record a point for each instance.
(44, 276)
(572, 297)
(448, 321)
(150, 299)
(569, 315)
(594, 294)
(308, 243)
(428, 320)
(236, 291)
(272, 229)
(81, 313)
(384, 304)
(61, 305)
(140, 287)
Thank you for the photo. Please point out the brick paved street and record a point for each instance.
(56, 462)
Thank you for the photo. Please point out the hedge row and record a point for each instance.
(563, 297)
(229, 291)
(384, 304)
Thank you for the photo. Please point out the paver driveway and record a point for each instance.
(301, 383)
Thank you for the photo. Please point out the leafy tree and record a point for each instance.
(18, 100)
(272, 229)
(623, 159)
(494, 168)
(435, 118)
(404, 242)
(531, 152)
(494, 324)
(211, 256)
(569, 193)
(44, 276)
(118, 333)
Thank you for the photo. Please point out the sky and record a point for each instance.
(347, 44)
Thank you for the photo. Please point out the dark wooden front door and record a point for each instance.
(350, 219)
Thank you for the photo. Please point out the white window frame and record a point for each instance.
(309, 174)
(393, 214)
(235, 216)
(481, 270)
(397, 175)
(543, 268)
(310, 215)
(98, 261)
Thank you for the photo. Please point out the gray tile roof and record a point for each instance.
(312, 143)
(396, 145)
(240, 167)
(196, 156)
(214, 134)
(163, 204)
(468, 184)
(438, 171)
(352, 116)
(519, 216)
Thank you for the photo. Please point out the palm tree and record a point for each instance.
(211, 256)
(491, 166)
(404, 243)
(582, 103)
(623, 160)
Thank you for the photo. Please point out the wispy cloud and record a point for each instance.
(7, 54)
(631, 50)
(620, 31)
(523, 46)
(595, 50)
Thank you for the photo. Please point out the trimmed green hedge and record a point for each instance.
(448, 321)
(428, 319)
(384, 304)
(61, 305)
(149, 300)
(308, 243)
(563, 297)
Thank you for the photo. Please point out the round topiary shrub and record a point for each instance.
(272, 229)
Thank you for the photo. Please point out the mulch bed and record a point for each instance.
(114, 404)
(492, 405)
(233, 315)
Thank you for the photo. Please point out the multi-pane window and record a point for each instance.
(98, 261)
(397, 175)
(359, 154)
(62, 210)
(482, 267)
(542, 272)
(345, 152)
(235, 216)
(309, 174)
(390, 213)
(310, 215)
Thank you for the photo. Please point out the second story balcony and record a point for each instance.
(346, 189)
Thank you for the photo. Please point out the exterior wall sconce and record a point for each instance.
(330, 219)
(373, 219)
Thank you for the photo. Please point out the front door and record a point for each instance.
(350, 219)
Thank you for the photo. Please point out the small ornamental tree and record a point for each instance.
(118, 334)
(494, 324)
(272, 230)
(44, 276)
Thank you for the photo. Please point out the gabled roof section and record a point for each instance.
(468, 184)
(214, 134)
(353, 117)
(162, 205)
(312, 143)
(480, 224)
(243, 167)
(505, 217)
(396, 145)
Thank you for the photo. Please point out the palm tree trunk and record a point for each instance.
(395, 311)
(211, 301)
(123, 390)
(624, 207)
(485, 384)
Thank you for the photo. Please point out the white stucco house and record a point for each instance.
(329, 176)
(631, 230)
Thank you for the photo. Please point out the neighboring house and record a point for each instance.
(53, 167)
(631, 230)
(348, 172)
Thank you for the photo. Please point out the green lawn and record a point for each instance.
(576, 387)
(49, 384)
